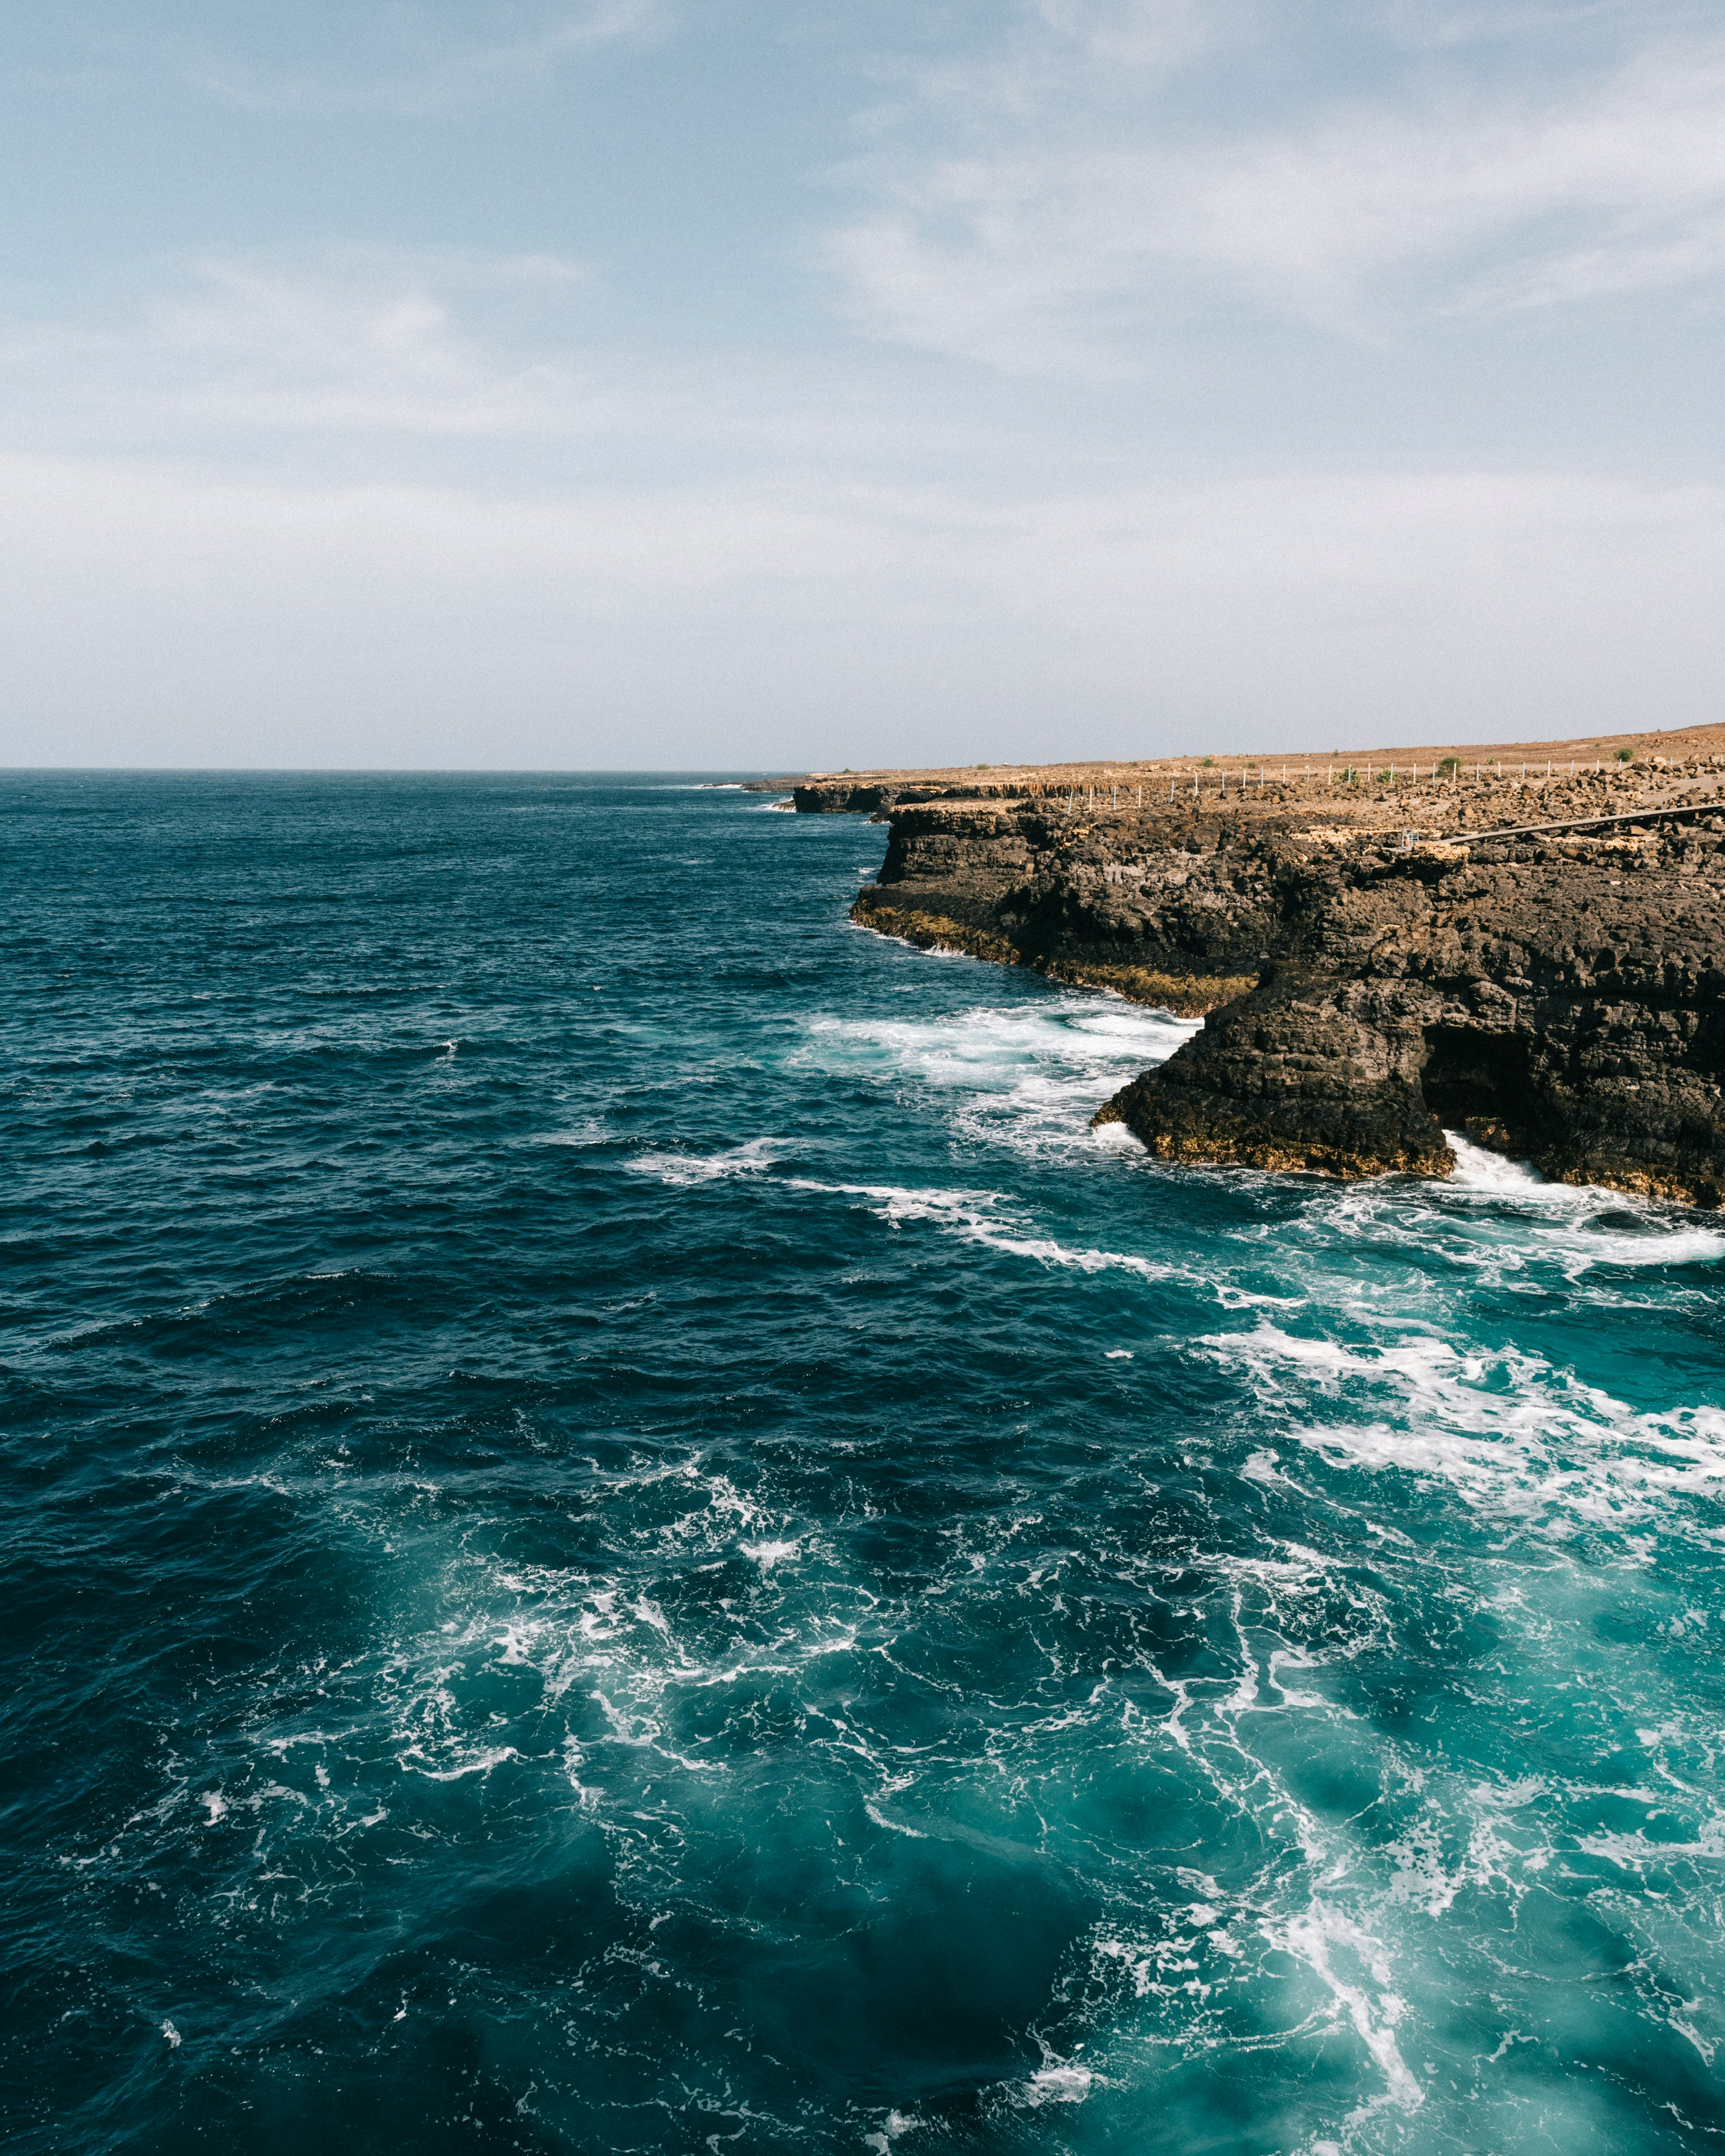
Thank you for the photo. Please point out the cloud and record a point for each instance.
(156, 612)
(404, 61)
(353, 340)
(1428, 26)
(392, 360)
(364, 340)
(1071, 234)
(1130, 33)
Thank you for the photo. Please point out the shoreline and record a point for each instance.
(1539, 963)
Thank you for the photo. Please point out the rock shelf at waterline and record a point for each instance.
(1525, 944)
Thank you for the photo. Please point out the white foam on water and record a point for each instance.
(1635, 1852)
(768, 1554)
(1356, 1915)
(1114, 1138)
(1367, 2001)
(1140, 1964)
(1563, 1219)
(1029, 1077)
(479, 1763)
(1510, 1432)
(975, 1216)
(1478, 1169)
(1496, 1223)
(681, 1169)
(1057, 2084)
(893, 1826)
(1682, 1246)
(608, 1642)
(896, 2122)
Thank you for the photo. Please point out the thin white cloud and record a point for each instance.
(383, 358)
(1130, 33)
(1427, 25)
(1067, 236)
(152, 601)
(413, 64)
(357, 340)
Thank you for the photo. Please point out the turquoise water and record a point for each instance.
(623, 1533)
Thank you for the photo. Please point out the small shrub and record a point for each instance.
(1625, 756)
(1450, 766)
(1210, 763)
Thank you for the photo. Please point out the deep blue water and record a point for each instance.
(622, 1533)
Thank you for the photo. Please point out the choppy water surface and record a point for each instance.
(623, 1534)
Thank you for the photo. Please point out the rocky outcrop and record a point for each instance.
(1564, 1002)
(851, 794)
(842, 797)
(1556, 995)
(1176, 912)
(1303, 1072)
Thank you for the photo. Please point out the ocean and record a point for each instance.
(623, 1533)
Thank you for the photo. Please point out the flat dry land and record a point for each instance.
(1684, 745)
(1446, 791)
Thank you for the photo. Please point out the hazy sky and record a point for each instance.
(783, 382)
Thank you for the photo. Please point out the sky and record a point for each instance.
(780, 384)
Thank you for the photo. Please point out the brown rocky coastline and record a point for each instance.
(1377, 958)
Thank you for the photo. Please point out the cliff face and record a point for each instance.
(867, 795)
(1559, 996)
(1173, 910)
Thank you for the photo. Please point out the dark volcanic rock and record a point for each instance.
(841, 796)
(1174, 912)
(1562, 997)
(1302, 1073)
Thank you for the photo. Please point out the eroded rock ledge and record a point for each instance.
(1367, 980)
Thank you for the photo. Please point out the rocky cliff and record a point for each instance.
(1376, 963)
